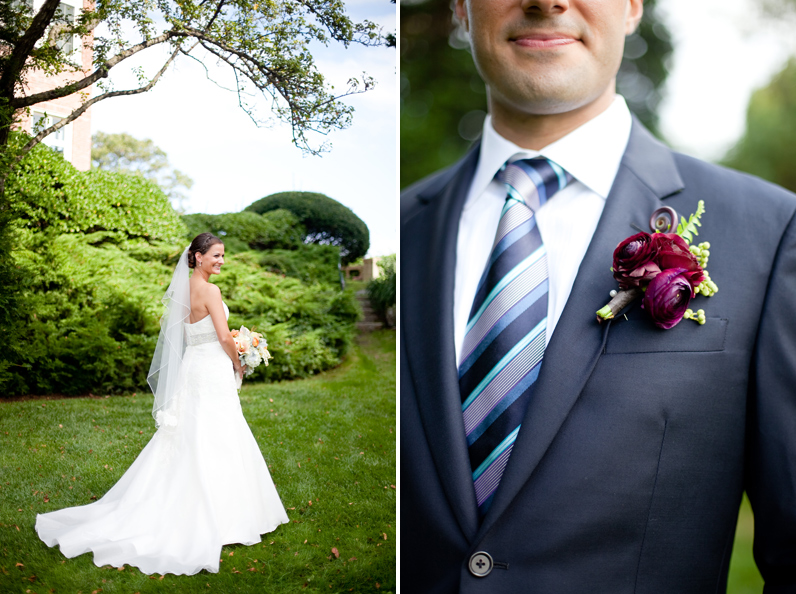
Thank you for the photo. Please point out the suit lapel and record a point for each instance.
(646, 175)
(427, 292)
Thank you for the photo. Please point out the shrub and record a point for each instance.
(80, 335)
(381, 290)
(309, 328)
(48, 192)
(326, 221)
(311, 263)
(241, 231)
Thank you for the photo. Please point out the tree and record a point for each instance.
(766, 148)
(122, 152)
(443, 99)
(325, 220)
(267, 45)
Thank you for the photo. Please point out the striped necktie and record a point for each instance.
(505, 337)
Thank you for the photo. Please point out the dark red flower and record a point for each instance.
(671, 251)
(634, 263)
(667, 297)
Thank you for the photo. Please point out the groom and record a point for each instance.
(615, 456)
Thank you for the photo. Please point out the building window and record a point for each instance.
(60, 140)
(65, 17)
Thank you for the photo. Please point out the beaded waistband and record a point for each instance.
(195, 339)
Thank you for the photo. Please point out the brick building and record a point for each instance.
(74, 139)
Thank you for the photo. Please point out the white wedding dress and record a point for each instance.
(201, 481)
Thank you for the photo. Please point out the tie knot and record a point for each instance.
(533, 181)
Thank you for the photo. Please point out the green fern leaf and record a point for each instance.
(688, 228)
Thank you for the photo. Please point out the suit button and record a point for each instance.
(480, 564)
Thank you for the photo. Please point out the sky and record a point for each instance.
(723, 52)
(233, 162)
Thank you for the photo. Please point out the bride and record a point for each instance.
(201, 482)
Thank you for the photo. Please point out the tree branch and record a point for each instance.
(25, 45)
(215, 15)
(83, 108)
(101, 72)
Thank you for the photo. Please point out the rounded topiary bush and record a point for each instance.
(326, 221)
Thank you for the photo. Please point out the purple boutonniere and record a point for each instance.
(664, 269)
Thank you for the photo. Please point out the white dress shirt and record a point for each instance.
(566, 222)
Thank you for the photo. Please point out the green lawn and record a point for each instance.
(744, 577)
(329, 442)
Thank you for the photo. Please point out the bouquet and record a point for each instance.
(252, 349)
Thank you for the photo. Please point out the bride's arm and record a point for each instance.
(216, 309)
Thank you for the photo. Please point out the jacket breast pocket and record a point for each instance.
(642, 336)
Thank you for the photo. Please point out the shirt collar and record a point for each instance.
(591, 153)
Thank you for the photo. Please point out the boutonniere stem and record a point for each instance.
(619, 302)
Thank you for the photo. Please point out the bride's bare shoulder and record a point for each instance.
(204, 294)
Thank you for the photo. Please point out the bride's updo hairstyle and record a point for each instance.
(200, 244)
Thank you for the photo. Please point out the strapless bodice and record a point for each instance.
(202, 331)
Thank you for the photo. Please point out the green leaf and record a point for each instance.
(688, 228)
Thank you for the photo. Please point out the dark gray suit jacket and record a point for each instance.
(638, 443)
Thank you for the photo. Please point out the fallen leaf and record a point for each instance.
(252, 569)
(378, 585)
(305, 542)
(335, 552)
(231, 553)
(19, 565)
(310, 502)
(60, 426)
(393, 486)
(384, 534)
(353, 559)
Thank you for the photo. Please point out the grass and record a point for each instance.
(329, 442)
(744, 577)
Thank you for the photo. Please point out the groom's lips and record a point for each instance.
(543, 40)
